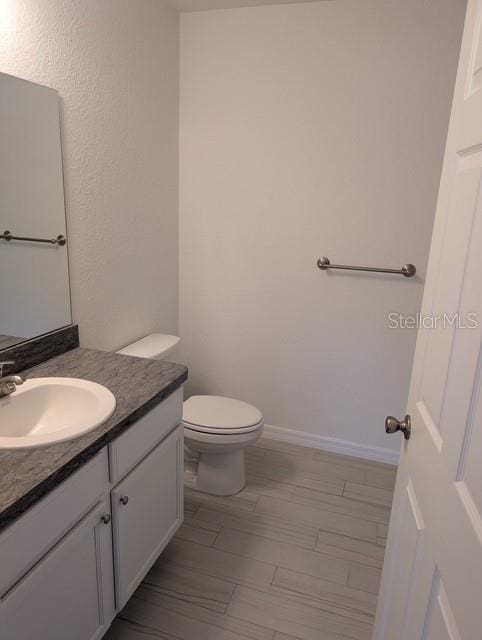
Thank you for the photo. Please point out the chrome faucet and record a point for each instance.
(8, 384)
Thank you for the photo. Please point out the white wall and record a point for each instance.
(115, 66)
(307, 130)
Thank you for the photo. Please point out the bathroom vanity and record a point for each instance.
(82, 522)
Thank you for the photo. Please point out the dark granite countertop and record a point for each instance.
(138, 385)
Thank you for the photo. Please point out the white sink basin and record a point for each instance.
(44, 411)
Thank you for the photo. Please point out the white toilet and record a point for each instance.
(216, 429)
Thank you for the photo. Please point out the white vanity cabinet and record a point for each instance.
(69, 563)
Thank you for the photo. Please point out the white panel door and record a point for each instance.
(432, 579)
(70, 592)
(147, 509)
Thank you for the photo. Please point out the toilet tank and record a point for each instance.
(156, 346)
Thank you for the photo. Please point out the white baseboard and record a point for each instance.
(335, 445)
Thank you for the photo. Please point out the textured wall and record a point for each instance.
(115, 66)
(306, 130)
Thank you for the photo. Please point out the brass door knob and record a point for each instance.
(392, 425)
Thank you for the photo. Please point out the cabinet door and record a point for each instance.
(69, 593)
(147, 511)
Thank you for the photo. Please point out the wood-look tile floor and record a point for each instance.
(296, 555)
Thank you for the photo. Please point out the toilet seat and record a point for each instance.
(218, 439)
(225, 432)
(218, 415)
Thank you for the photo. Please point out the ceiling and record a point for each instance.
(202, 5)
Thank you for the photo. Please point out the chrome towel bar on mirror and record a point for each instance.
(60, 240)
(408, 270)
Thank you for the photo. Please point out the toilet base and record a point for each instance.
(221, 475)
(220, 456)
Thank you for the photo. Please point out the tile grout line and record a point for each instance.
(326, 555)
(128, 620)
(196, 619)
(273, 577)
(212, 545)
(327, 506)
(267, 538)
(202, 571)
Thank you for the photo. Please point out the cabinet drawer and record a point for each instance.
(26, 540)
(135, 443)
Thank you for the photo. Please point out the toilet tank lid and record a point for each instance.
(155, 345)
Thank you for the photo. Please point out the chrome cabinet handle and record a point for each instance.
(106, 518)
(392, 425)
(124, 500)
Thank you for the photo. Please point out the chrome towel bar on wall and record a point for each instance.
(7, 235)
(408, 270)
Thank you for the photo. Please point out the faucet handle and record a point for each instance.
(5, 363)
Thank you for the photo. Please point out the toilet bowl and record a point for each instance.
(216, 429)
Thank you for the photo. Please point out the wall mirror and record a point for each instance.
(34, 272)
